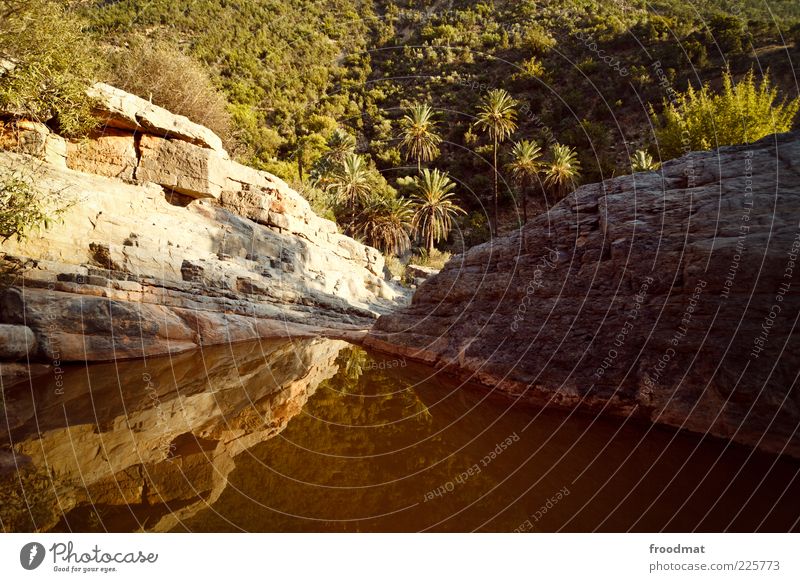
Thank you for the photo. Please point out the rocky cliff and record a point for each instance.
(164, 244)
(669, 296)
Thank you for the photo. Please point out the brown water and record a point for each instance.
(318, 435)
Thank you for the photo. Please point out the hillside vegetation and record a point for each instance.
(328, 93)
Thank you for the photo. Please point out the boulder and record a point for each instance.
(667, 296)
(16, 342)
(122, 110)
(180, 166)
(111, 152)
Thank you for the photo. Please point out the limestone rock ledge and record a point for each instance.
(164, 244)
(669, 296)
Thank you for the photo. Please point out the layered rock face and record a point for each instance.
(163, 244)
(669, 296)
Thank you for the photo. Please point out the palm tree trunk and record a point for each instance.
(352, 212)
(524, 203)
(496, 225)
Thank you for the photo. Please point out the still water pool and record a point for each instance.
(320, 435)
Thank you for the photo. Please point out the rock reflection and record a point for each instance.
(319, 435)
(124, 446)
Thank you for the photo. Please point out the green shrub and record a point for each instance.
(435, 259)
(20, 208)
(396, 267)
(160, 73)
(742, 113)
(52, 63)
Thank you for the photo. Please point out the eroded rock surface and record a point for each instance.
(164, 244)
(670, 296)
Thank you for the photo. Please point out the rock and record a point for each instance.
(667, 296)
(16, 342)
(250, 204)
(121, 110)
(180, 166)
(420, 272)
(6, 66)
(134, 240)
(127, 247)
(35, 139)
(111, 152)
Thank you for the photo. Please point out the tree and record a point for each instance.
(339, 145)
(641, 161)
(350, 184)
(563, 170)
(385, 224)
(497, 116)
(525, 165)
(419, 138)
(434, 208)
(742, 113)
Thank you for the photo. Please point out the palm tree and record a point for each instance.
(641, 161)
(340, 143)
(419, 137)
(434, 207)
(385, 223)
(338, 146)
(563, 170)
(497, 116)
(350, 183)
(524, 166)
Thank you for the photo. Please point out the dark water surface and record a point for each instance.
(318, 435)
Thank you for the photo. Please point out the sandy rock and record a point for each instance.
(161, 271)
(111, 152)
(122, 110)
(127, 248)
(35, 139)
(180, 166)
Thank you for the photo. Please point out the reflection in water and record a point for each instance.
(317, 435)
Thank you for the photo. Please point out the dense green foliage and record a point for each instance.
(21, 209)
(742, 112)
(46, 65)
(287, 68)
(580, 71)
(310, 83)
